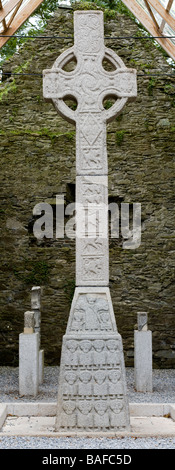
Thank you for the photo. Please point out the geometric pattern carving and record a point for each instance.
(89, 84)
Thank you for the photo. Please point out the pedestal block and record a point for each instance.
(92, 384)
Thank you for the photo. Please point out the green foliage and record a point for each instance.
(44, 132)
(109, 14)
(110, 7)
(169, 88)
(108, 104)
(121, 8)
(146, 123)
(69, 288)
(119, 136)
(151, 85)
(33, 273)
(9, 87)
(119, 117)
(8, 49)
(41, 16)
(46, 9)
(24, 66)
(83, 5)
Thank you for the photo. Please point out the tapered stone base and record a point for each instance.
(92, 386)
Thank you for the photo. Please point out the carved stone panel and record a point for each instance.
(92, 388)
(92, 258)
(92, 310)
(91, 152)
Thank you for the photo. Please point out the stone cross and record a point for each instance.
(92, 389)
(90, 84)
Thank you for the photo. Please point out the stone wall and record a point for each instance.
(38, 162)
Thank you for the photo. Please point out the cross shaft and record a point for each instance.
(92, 390)
(89, 83)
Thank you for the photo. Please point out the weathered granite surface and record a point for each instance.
(38, 162)
(143, 360)
(92, 385)
(28, 364)
(92, 246)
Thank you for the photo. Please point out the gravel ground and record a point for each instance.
(163, 386)
(163, 392)
(85, 443)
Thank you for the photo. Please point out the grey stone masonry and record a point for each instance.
(28, 364)
(142, 319)
(143, 355)
(29, 322)
(36, 306)
(92, 389)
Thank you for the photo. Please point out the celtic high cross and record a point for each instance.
(92, 391)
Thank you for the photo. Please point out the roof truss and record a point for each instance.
(151, 13)
(13, 13)
(147, 16)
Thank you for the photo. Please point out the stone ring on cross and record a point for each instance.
(89, 83)
(95, 401)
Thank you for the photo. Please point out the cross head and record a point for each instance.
(89, 84)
